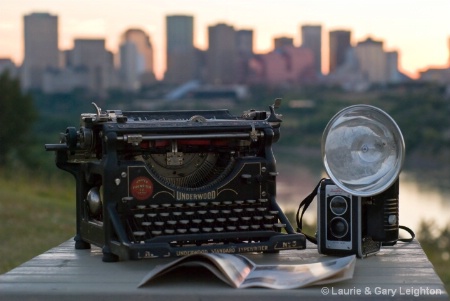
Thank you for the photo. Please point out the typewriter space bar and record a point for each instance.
(231, 236)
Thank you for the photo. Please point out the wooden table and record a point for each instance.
(64, 273)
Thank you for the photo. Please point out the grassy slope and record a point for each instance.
(35, 214)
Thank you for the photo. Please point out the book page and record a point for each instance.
(301, 275)
(239, 272)
(232, 269)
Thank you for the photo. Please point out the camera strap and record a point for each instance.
(305, 204)
(310, 198)
(411, 232)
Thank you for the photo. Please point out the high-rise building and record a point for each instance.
(281, 42)
(130, 66)
(41, 48)
(393, 74)
(92, 56)
(136, 59)
(312, 39)
(222, 55)
(339, 44)
(244, 42)
(372, 60)
(244, 45)
(181, 64)
(284, 66)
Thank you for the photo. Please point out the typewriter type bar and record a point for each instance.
(173, 183)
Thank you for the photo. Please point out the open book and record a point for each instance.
(240, 272)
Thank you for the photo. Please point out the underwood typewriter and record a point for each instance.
(173, 183)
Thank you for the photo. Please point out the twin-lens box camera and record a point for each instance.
(358, 207)
(349, 224)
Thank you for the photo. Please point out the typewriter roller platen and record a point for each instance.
(172, 183)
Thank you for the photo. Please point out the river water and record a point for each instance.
(417, 201)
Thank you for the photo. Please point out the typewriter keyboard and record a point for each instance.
(185, 221)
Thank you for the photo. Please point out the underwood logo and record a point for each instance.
(186, 196)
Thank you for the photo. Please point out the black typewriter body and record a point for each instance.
(173, 183)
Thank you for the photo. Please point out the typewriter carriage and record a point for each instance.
(132, 169)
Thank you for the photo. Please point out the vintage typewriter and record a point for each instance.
(173, 183)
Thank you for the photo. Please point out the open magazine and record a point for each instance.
(240, 272)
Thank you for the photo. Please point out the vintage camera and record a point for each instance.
(349, 224)
(358, 208)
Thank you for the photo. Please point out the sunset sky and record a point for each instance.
(418, 29)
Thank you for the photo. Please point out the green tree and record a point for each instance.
(17, 114)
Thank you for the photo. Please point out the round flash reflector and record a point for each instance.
(363, 150)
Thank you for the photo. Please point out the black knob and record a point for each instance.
(71, 138)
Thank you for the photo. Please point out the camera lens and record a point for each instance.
(338, 205)
(338, 227)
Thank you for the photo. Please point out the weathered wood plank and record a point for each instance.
(63, 273)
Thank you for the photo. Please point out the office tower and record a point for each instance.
(281, 42)
(136, 59)
(91, 56)
(244, 41)
(284, 66)
(244, 45)
(339, 44)
(393, 74)
(181, 53)
(222, 54)
(131, 64)
(372, 60)
(41, 48)
(312, 39)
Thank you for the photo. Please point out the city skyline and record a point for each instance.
(420, 34)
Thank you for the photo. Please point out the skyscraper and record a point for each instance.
(136, 59)
(91, 55)
(339, 44)
(372, 60)
(393, 74)
(244, 45)
(244, 41)
(41, 48)
(181, 53)
(285, 66)
(312, 39)
(222, 54)
(280, 42)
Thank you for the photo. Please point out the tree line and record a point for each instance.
(421, 110)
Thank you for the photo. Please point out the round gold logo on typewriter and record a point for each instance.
(141, 188)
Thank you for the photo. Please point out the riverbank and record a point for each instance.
(431, 169)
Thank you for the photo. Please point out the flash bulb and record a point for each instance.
(363, 150)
